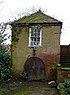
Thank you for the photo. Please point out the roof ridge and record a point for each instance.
(33, 17)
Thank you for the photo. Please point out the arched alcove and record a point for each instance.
(35, 67)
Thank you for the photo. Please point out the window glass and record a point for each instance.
(34, 36)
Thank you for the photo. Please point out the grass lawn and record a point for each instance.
(27, 88)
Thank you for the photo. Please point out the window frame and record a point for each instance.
(40, 42)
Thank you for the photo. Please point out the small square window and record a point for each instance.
(34, 36)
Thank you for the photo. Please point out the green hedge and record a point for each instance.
(5, 65)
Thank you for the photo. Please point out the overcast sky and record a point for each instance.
(58, 9)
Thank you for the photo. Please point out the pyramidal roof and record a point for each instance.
(37, 17)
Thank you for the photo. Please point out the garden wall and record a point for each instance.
(62, 74)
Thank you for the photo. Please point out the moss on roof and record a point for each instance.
(38, 16)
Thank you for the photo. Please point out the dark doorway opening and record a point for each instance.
(35, 67)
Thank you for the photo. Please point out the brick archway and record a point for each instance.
(35, 67)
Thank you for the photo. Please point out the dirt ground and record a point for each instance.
(27, 88)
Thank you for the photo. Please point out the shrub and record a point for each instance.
(5, 60)
(5, 65)
(25, 75)
(65, 88)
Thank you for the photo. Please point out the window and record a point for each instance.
(34, 36)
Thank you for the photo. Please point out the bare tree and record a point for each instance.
(2, 32)
(4, 36)
(15, 15)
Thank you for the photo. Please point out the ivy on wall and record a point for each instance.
(15, 32)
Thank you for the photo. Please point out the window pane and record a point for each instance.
(38, 39)
(31, 33)
(38, 43)
(34, 39)
(35, 36)
(38, 33)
